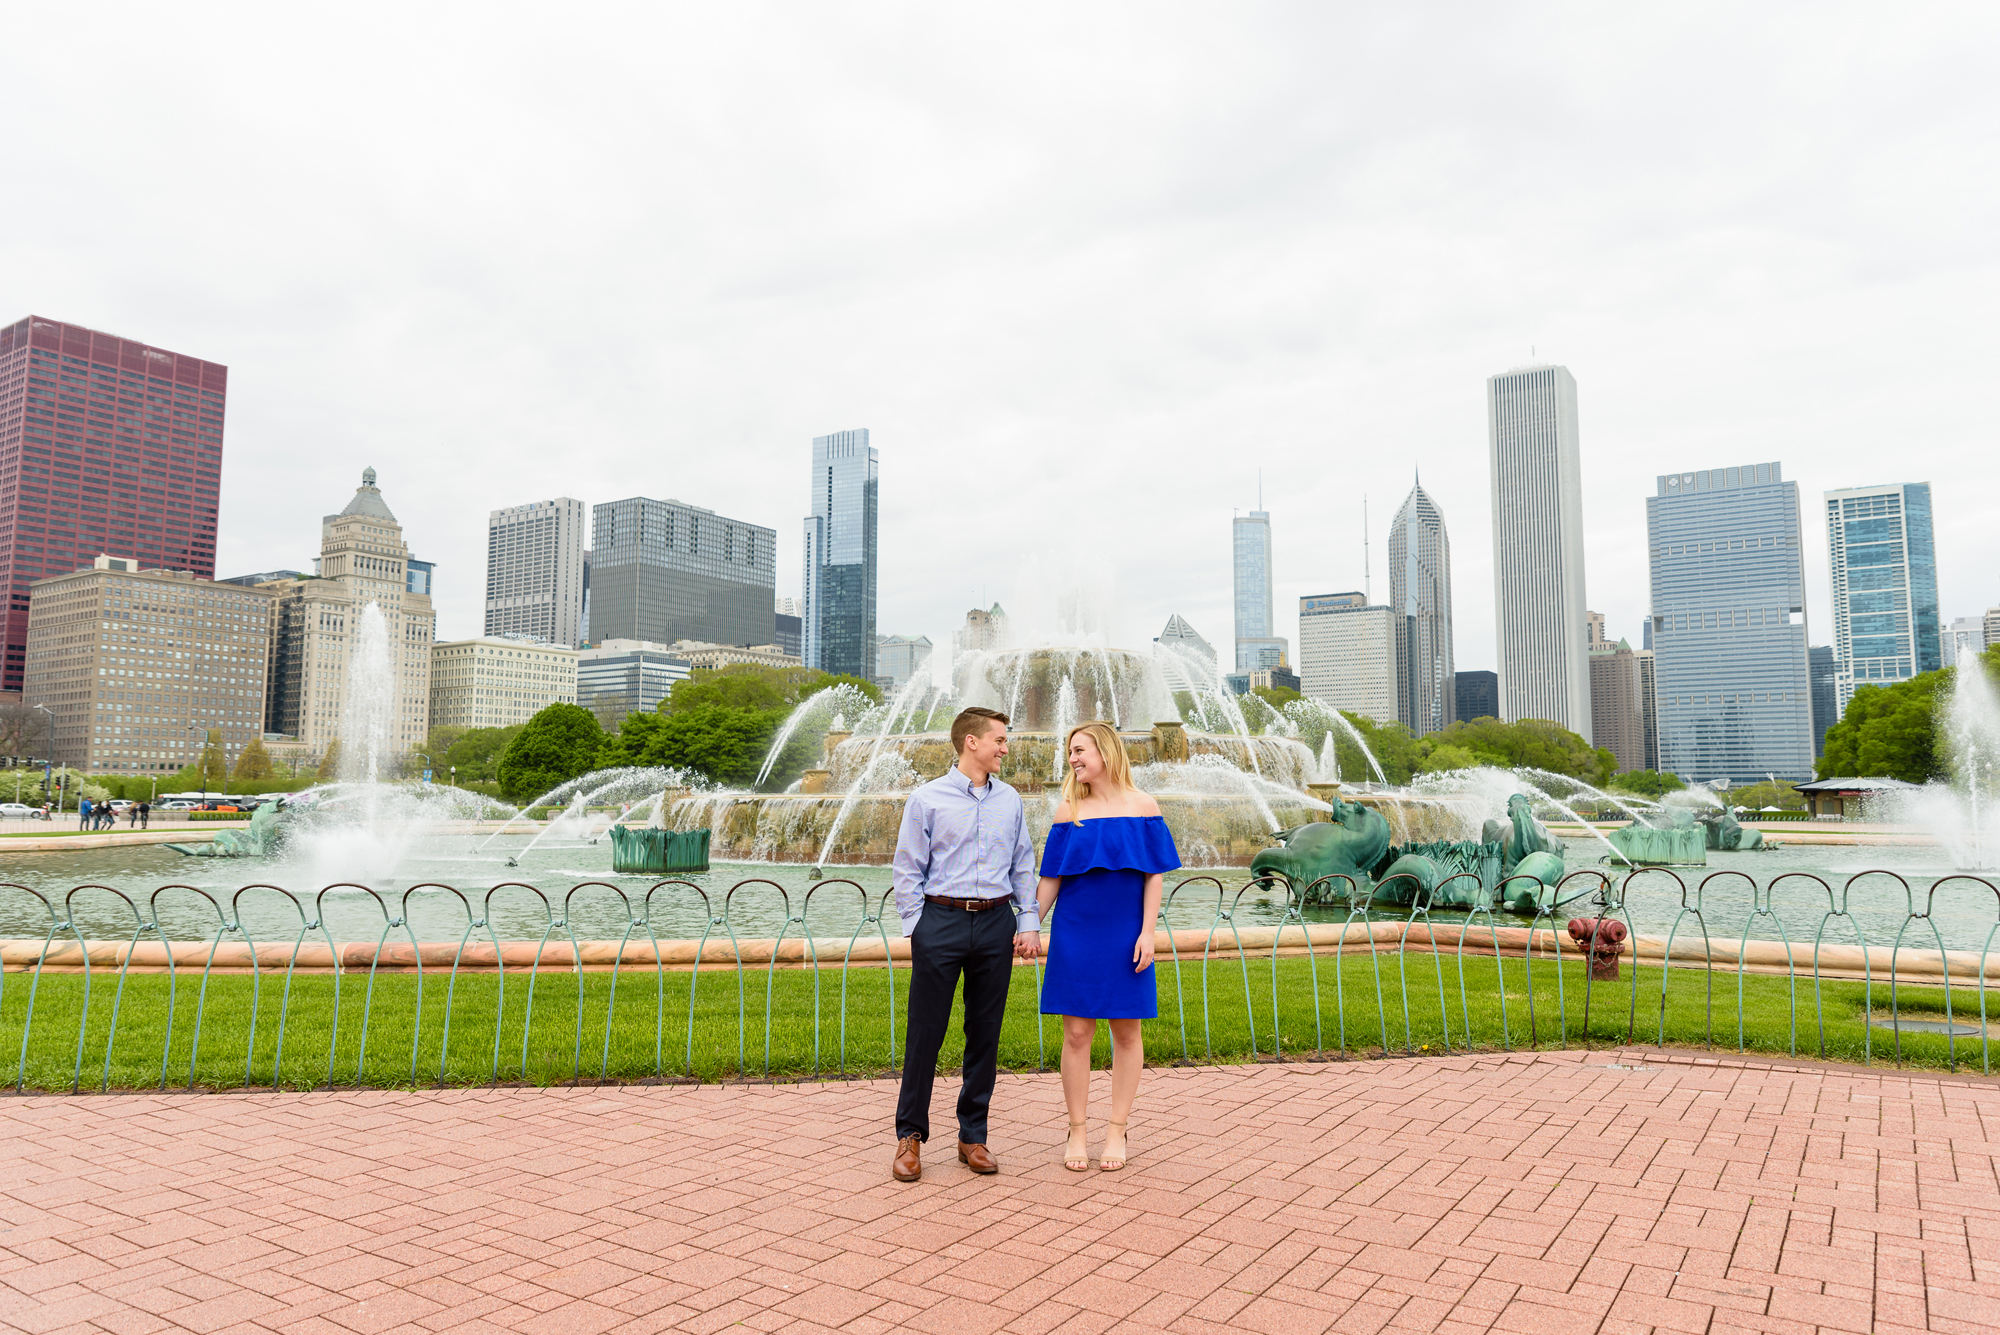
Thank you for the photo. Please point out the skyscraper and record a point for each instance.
(138, 667)
(1824, 669)
(1616, 703)
(1885, 598)
(107, 445)
(1258, 644)
(1347, 654)
(1649, 703)
(840, 555)
(1538, 546)
(1729, 628)
(665, 571)
(535, 571)
(1186, 660)
(1420, 595)
(1477, 694)
(319, 625)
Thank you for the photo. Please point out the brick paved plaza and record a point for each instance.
(1549, 1193)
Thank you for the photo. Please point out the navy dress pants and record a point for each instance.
(948, 944)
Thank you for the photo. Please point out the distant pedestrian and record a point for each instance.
(83, 814)
(132, 816)
(145, 815)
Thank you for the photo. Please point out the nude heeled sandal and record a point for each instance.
(1106, 1163)
(1080, 1161)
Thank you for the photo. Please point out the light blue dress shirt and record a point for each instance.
(967, 843)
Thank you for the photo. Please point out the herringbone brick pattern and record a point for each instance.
(1536, 1193)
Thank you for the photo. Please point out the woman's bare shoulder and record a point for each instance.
(1144, 804)
(1062, 814)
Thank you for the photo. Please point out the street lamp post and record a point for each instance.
(429, 764)
(48, 762)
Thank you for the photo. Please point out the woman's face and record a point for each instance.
(1085, 759)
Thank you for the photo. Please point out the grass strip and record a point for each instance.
(833, 1022)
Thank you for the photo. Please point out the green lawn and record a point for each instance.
(649, 1024)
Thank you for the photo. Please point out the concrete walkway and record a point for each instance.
(1546, 1193)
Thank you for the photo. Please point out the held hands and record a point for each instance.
(1027, 945)
(1142, 952)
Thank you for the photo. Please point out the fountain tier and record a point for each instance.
(1224, 796)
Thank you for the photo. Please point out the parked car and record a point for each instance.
(222, 806)
(19, 811)
(176, 805)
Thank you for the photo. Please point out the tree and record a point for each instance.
(757, 687)
(212, 766)
(1757, 796)
(329, 763)
(253, 765)
(1441, 756)
(1529, 743)
(1276, 696)
(727, 745)
(1646, 783)
(1888, 731)
(474, 754)
(720, 724)
(553, 747)
(18, 727)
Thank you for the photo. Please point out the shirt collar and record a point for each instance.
(963, 784)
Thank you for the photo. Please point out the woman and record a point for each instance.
(1105, 859)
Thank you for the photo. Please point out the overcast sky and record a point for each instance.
(1081, 269)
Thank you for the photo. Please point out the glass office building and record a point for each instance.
(1420, 594)
(1258, 644)
(663, 571)
(1731, 674)
(1825, 695)
(1885, 598)
(621, 677)
(838, 629)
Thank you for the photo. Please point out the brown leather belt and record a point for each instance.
(969, 905)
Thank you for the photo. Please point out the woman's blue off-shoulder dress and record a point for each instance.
(1099, 914)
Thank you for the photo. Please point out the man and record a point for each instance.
(83, 814)
(965, 889)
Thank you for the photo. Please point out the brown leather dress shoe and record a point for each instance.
(977, 1157)
(909, 1159)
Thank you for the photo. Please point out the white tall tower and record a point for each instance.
(535, 578)
(1538, 547)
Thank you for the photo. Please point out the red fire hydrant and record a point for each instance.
(1604, 938)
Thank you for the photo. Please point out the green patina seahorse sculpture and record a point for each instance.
(1348, 845)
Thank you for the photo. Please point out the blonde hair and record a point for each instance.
(1117, 766)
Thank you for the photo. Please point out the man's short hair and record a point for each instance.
(971, 722)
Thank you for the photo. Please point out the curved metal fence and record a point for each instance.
(226, 1007)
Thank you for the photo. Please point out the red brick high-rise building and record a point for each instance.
(106, 445)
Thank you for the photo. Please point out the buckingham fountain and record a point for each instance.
(1265, 794)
